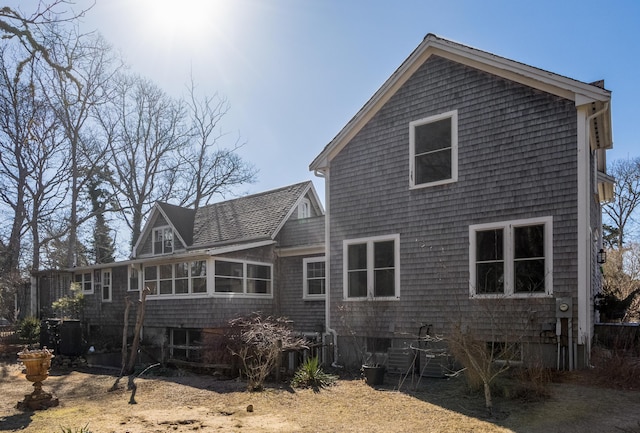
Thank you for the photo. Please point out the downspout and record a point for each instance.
(584, 227)
(327, 250)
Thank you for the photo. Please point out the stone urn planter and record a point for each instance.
(37, 364)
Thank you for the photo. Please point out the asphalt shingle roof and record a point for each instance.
(253, 217)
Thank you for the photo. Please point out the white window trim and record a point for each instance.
(153, 240)
(454, 149)
(370, 268)
(508, 226)
(190, 295)
(304, 208)
(84, 274)
(244, 293)
(305, 280)
(102, 280)
(130, 269)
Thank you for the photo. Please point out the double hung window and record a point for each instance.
(434, 150)
(106, 285)
(372, 267)
(313, 276)
(511, 258)
(85, 280)
(162, 240)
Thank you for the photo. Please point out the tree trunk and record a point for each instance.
(136, 336)
(125, 331)
(488, 401)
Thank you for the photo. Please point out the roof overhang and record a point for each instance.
(300, 251)
(605, 187)
(577, 91)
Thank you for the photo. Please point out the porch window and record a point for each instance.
(245, 278)
(179, 278)
(434, 150)
(511, 258)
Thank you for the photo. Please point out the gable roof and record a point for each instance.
(577, 91)
(181, 219)
(251, 218)
(245, 220)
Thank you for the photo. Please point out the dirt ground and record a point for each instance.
(192, 403)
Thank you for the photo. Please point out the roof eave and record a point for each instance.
(549, 82)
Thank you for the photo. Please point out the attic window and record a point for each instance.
(304, 209)
(434, 150)
(162, 240)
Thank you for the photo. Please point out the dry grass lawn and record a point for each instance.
(192, 403)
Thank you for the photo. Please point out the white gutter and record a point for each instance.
(327, 239)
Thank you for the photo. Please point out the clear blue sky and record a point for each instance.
(295, 71)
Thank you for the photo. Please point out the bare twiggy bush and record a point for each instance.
(532, 382)
(616, 368)
(259, 343)
(489, 342)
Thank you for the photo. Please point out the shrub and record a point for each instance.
(533, 383)
(259, 342)
(29, 329)
(310, 374)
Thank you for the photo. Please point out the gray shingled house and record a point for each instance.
(467, 191)
(258, 253)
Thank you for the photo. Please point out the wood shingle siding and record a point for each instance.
(516, 160)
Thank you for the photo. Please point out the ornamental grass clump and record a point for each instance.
(311, 375)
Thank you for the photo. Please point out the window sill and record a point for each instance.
(430, 184)
(511, 296)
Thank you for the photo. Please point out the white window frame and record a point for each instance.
(244, 278)
(164, 230)
(304, 208)
(453, 115)
(173, 295)
(130, 271)
(305, 278)
(508, 250)
(370, 241)
(86, 276)
(107, 283)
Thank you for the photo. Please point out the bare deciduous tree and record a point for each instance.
(207, 168)
(143, 128)
(29, 31)
(621, 212)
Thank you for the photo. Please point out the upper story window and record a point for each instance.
(182, 278)
(86, 281)
(434, 150)
(314, 279)
(242, 278)
(162, 240)
(106, 285)
(304, 208)
(372, 267)
(511, 258)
